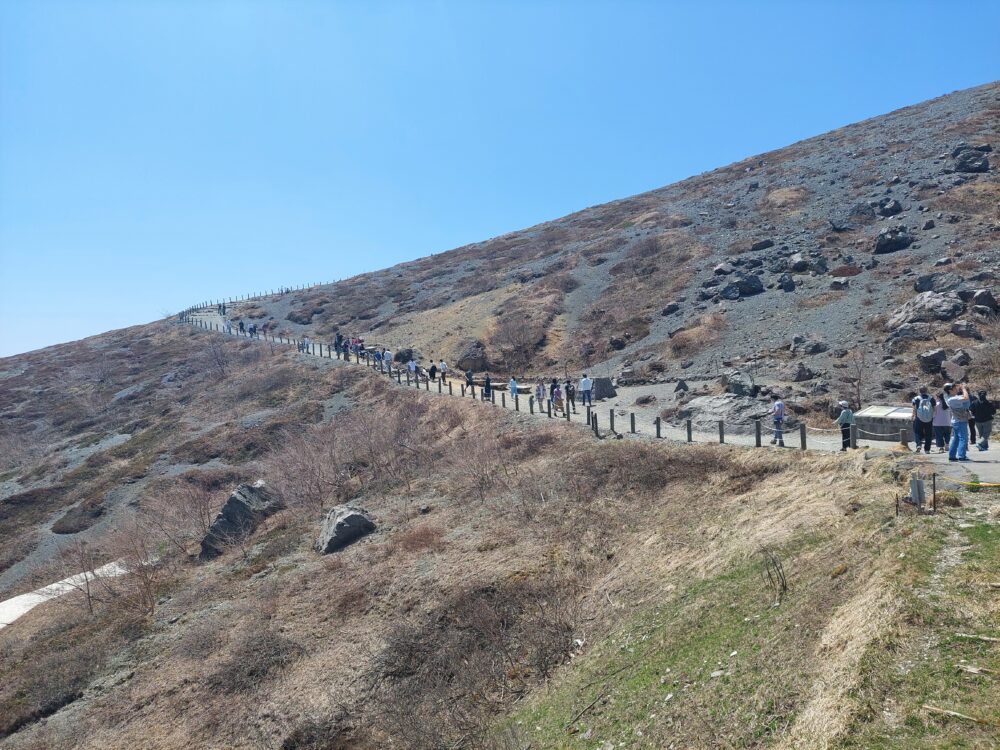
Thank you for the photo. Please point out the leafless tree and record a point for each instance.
(859, 371)
(218, 357)
(181, 515)
(517, 338)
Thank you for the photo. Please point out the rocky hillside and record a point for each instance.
(881, 239)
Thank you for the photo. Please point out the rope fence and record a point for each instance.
(614, 422)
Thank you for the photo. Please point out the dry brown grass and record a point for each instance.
(783, 201)
(698, 336)
(981, 199)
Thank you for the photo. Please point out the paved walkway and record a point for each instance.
(20, 605)
(984, 466)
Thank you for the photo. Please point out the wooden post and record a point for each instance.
(493, 396)
(933, 489)
(597, 432)
(440, 387)
(903, 438)
(632, 422)
(450, 392)
(503, 400)
(399, 378)
(687, 424)
(472, 389)
(427, 384)
(566, 410)
(531, 404)
(756, 433)
(407, 377)
(658, 421)
(854, 436)
(549, 402)
(722, 431)
(802, 434)
(611, 421)
(588, 414)
(463, 390)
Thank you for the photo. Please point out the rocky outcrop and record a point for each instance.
(927, 307)
(938, 282)
(738, 412)
(742, 286)
(342, 526)
(931, 361)
(891, 239)
(473, 357)
(239, 518)
(603, 388)
(739, 383)
(797, 373)
(970, 158)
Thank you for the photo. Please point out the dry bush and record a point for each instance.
(442, 681)
(421, 538)
(977, 198)
(697, 336)
(813, 301)
(181, 515)
(260, 655)
(845, 271)
(783, 200)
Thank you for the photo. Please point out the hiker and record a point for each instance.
(778, 415)
(241, 328)
(512, 387)
(973, 400)
(229, 327)
(487, 392)
(983, 412)
(433, 372)
(540, 394)
(552, 389)
(468, 379)
(941, 423)
(845, 420)
(253, 330)
(306, 347)
(958, 405)
(557, 398)
(569, 391)
(586, 389)
(922, 415)
(377, 356)
(412, 367)
(443, 367)
(387, 358)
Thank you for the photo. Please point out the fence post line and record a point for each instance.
(611, 419)
(722, 432)
(802, 434)
(854, 436)
(632, 422)
(658, 422)
(687, 425)
(756, 432)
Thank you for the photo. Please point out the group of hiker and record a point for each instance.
(956, 417)
(244, 330)
(562, 394)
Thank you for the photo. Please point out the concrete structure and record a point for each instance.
(884, 423)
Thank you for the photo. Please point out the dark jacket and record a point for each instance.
(983, 410)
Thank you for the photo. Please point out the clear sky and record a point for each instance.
(154, 154)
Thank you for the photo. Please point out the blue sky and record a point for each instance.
(154, 154)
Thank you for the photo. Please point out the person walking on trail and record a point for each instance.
(540, 394)
(569, 391)
(253, 330)
(229, 327)
(387, 358)
(443, 367)
(941, 424)
(306, 346)
(958, 404)
(412, 367)
(433, 372)
(778, 415)
(242, 329)
(923, 419)
(973, 400)
(557, 398)
(512, 387)
(586, 391)
(468, 379)
(983, 412)
(845, 420)
(552, 389)
(487, 391)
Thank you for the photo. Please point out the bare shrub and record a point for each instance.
(699, 335)
(258, 657)
(420, 538)
(493, 642)
(181, 515)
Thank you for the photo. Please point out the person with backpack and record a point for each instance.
(983, 412)
(487, 389)
(433, 372)
(958, 405)
(443, 367)
(570, 391)
(941, 424)
(845, 420)
(778, 417)
(922, 415)
(242, 328)
(586, 391)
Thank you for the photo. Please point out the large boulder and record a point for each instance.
(797, 373)
(970, 159)
(891, 239)
(927, 307)
(473, 357)
(889, 207)
(603, 388)
(737, 412)
(938, 282)
(239, 518)
(966, 329)
(742, 286)
(985, 298)
(342, 526)
(739, 383)
(931, 361)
